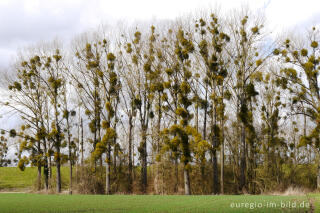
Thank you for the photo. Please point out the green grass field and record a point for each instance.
(37, 203)
(11, 178)
(315, 199)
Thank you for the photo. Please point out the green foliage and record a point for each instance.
(22, 163)
(276, 52)
(314, 44)
(250, 90)
(12, 133)
(111, 57)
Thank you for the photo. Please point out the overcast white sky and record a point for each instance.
(25, 22)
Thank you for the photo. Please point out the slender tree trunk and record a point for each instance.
(203, 179)
(46, 173)
(222, 144)
(70, 167)
(77, 153)
(242, 181)
(318, 170)
(58, 159)
(50, 167)
(98, 140)
(82, 159)
(45, 166)
(186, 176)
(176, 169)
(58, 165)
(215, 172)
(176, 163)
(57, 143)
(254, 163)
(214, 154)
(144, 160)
(202, 166)
(205, 118)
(158, 141)
(197, 115)
(222, 158)
(130, 156)
(133, 171)
(39, 167)
(108, 190)
(114, 162)
(115, 152)
(205, 130)
(69, 155)
(94, 147)
(39, 177)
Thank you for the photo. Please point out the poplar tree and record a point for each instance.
(247, 58)
(142, 57)
(28, 98)
(212, 51)
(54, 81)
(271, 101)
(300, 77)
(183, 136)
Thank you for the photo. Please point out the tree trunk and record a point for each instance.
(205, 129)
(176, 169)
(222, 158)
(214, 133)
(205, 117)
(57, 143)
(70, 190)
(197, 115)
(222, 145)
(133, 172)
(114, 162)
(205, 124)
(203, 179)
(318, 171)
(158, 142)
(130, 156)
(107, 178)
(46, 173)
(108, 190)
(144, 161)
(45, 166)
(50, 167)
(82, 159)
(69, 155)
(186, 176)
(242, 181)
(215, 172)
(70, 167)
(58, 171)
(39, 177)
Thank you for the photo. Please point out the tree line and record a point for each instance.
(204, 105)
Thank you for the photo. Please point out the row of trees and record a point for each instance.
(205, 98)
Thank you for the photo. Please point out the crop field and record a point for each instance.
(34, 203)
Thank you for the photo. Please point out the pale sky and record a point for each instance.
(26, 22)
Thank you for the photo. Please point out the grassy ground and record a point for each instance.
(315, 199)
(11, 178)
(34, 203)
